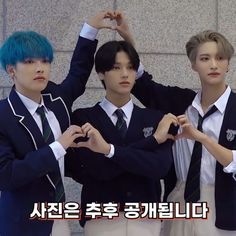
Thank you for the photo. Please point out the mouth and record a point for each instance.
(40, 78)
(125, 83)
(214, 74)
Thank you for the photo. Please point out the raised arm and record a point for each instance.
(83, 57)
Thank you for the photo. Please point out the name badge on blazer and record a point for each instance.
(147, 131)
(230, 134)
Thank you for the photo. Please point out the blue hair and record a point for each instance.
(22, 45)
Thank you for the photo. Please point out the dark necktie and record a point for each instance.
(121, 123)
(49, 138)
(192, 188)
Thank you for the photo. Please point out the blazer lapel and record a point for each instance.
(105, 124)
(56, 105)
(134, 125)
(25, 119)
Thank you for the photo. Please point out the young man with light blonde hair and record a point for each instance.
(205, 147)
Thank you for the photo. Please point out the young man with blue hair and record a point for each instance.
(34, 134)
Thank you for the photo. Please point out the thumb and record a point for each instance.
(170, 136)
(83, 144)
(179, 136)
(104, 26)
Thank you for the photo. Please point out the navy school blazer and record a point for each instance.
(25, 159)
(133, 174)
(176, 100)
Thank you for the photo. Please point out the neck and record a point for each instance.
(36, 97)
(210, 94)
(118, 100)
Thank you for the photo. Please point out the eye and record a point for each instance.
(45, 60)
(204, 59)
(28, 61)
(220, 58)
(115, 67)
(130, 67)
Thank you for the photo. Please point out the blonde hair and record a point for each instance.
(225, 48)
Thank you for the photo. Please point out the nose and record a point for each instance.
(213, 64)
(124, 73)
(39, 67)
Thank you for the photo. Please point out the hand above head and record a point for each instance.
(98, 21)
(161, 134)
(122, 27)
(68, 137)
(95, 141)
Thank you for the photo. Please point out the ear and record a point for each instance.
(228, 68)
(193, 65)
(11, 70)
(101, 76)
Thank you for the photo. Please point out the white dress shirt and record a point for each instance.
(56, 147)
(182, 148)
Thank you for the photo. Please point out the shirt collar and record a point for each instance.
(220, 103)
(30, 104)
(110, 108)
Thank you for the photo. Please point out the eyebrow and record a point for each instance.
(119, 63)
(204, 54)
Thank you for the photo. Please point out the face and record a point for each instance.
(31, 76)
(209, 65)
(120, 80)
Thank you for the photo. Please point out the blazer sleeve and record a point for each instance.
(154, 163)
(80, 68)
(149, 161)
(15, 173)
(165, 98)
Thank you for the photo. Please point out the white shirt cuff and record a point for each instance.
(89, 32)
(112, 151)
(140, 71)
(231, 168)
(57, 150)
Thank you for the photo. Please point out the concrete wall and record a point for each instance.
(161, 28)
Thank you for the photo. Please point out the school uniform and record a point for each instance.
(25, 158)
(218, 184)
(132, 174)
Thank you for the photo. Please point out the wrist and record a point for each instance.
(157, 138)
(202, 138)
(107, 149)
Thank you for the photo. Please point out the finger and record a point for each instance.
(74, 145)
(181, 116)
(183, 121)
(179, 136)
(169, 136)
(90, 133)
(107, 27)
(76, 135)
(82, 144)
(86, 125)
(76, 128)
(87, 129)
(172, 120)
(186, 126)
